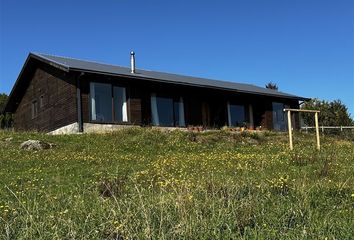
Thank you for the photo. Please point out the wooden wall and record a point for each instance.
(59, 100)
(134, 96)
(203, 107)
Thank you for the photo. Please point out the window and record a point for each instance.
(236, 115)
(41, 101)
(101, 102)
(34, 109)
(179, 113)
(167, 112)
(279, 119)
(108, 103)
(120, 104)
(278, 112)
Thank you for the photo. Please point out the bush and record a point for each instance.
(333, 113)
(6, 121)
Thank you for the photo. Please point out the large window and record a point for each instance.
(108, 104)
(279, 120)
(236, 115)
(167, 111)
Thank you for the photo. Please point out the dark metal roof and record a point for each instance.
(71, 64)
(89, 66)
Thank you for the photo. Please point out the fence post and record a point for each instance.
(290, 131)
(317, 131)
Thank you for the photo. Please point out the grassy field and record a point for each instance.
(147, 184)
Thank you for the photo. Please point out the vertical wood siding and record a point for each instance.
(59, 102)
(203, 107)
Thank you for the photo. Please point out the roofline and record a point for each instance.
(187, 84)
(51, 62)
(67, 68)
(29, 57)
(16, 83)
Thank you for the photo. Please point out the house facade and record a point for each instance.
(65, 95)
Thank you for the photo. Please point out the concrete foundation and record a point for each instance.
(102, 128)
(68, 129)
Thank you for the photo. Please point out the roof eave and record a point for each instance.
(6, 107)
(51, 62)
(188, 84)
(30, 56)
(67, 68)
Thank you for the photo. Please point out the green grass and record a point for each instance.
(148, 184)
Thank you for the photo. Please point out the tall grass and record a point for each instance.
(147, 184)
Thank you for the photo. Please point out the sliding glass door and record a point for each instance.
(108, 103)
(101, 102)
(167, 112)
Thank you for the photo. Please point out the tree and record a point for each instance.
(333, 113)
(272, 85)
(6, 119)
(3, 99)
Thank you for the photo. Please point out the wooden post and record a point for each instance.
(289, 110)
(290, 131)
(317, 131)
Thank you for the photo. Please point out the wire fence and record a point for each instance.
(332, 128)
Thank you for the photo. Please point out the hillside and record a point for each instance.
(147, 184)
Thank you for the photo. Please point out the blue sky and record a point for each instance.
(306, 47)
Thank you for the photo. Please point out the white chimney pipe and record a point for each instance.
(132, 62)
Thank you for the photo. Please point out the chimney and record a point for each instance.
(132, 62)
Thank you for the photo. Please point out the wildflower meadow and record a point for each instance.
(149, 184)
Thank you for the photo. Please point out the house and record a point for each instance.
(60, 95)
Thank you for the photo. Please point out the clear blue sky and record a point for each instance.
(306, 47)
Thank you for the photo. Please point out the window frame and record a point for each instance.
(279, 120)
(41, 101)
(124, 105)
(176, 105)
(34, 108)
(113, 110)
(245, 114)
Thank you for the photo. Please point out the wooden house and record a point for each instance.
(64, 95)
